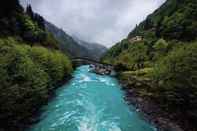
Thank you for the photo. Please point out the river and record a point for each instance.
(90, 102)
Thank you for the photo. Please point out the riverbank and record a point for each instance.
(102, 69)
(149, 109)
(35, 118)
(78, 106)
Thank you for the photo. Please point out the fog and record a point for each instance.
(101, 21)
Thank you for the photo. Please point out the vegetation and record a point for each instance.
(176, 75)
(74, 46)
(28, 74)
(31, 65)
(166, 56)
(175, 19)
(27, 26)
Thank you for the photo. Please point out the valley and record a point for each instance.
(55, 80)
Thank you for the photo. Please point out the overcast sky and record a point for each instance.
(102, 21)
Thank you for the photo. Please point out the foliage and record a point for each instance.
(128, 55)
(35, 17)
(172, 75)
(135, 56)
(177, 78)
(27, 76)
(160, 49)
(173, 20)
(54, 63)
(31, 31)
(169, 52)
(115, 51)
(28, 72)
(28, 26)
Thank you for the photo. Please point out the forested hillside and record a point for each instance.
(162, 50)
(94, 51)
(31, 65)
(66, 43)
(75, 47)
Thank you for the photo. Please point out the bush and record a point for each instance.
(177, 78)
(30, 30)
(160, 49)
(27, 76)
(54, 63)
(135, 56)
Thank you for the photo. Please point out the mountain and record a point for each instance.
(162, 52)
(174, 20)
(66, 43)
(95, 50)
(74, 46)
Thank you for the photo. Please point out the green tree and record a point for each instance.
(177, 78)
(160, 49)
(29, 11)
(27, 76)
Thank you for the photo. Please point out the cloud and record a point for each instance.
(102, 21)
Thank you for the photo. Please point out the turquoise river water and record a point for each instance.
(90, 102)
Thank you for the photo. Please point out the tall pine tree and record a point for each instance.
(35, 17)
(29, 11)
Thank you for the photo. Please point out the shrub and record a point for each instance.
(27, 75)
(177, 78)
(160, 49)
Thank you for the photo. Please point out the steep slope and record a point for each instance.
(31, 65)
(174, 20)
(161, 52)
(95, 50)
(66, 43)
(75, 47)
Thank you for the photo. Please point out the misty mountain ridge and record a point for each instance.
(74, 46)
(96, 49)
